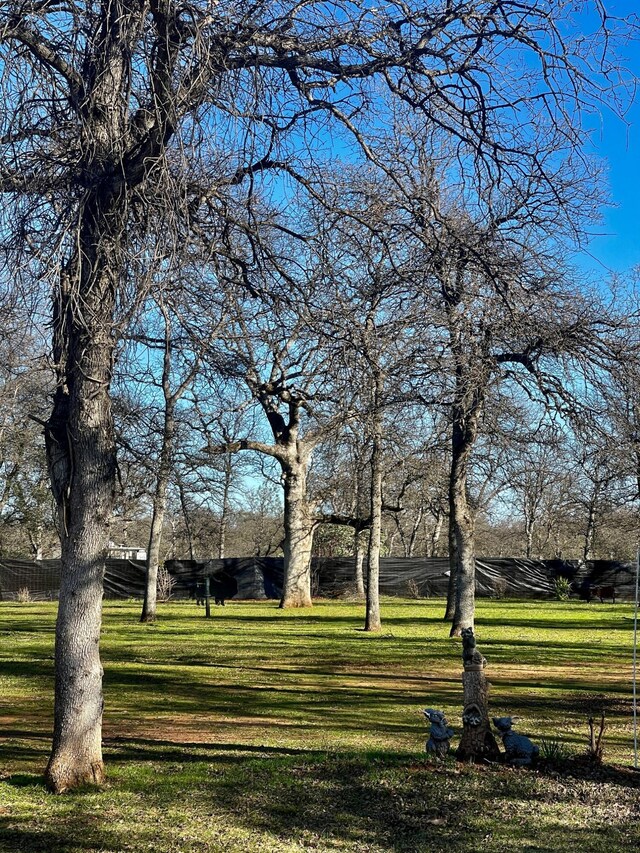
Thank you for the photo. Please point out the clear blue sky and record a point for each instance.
(618, 247)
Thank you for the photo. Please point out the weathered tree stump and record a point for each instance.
(477, 743)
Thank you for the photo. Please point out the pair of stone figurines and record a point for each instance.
(519, 750)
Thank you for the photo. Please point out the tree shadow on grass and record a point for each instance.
(378, 800)
(76, 835)
(123, 749)
(269, 798)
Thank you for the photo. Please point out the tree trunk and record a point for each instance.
(587, 552)
(462, 520)
(165, 468)
(465, 556)
(529, 539)
(450, 608)
(153, 551)
(433, 540)
(529, 524)
(299, 527)
(82, 467)
(359, 550)
(187, 523)
(372, 619)
(414, 532)
(225, 506)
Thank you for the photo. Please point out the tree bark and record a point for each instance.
(228, 471)
(463, 529)
(149, 606)
(434, 538)
(82, 467)
(359, 553)
(299, 527)
(450, 607)
(187, 523)
(587, 552)
(473, 366)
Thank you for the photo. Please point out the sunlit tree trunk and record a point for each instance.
(299, 526)
(222, 538)
(157, 519)
(82, 467)
(360, 549)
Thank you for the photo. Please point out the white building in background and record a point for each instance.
(126, 552)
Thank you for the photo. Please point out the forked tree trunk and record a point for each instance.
(299, 527)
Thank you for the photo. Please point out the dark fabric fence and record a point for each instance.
(261, 577)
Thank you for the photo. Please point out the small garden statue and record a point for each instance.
(520, 752)
(472, 659)
(439, 734)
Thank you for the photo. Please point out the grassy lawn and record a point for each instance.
(263, 730)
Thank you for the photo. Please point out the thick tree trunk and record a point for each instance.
(466, 572)
(299, 526)
(82, 467)
(462, 519)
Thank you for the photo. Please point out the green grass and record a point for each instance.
(288, 731)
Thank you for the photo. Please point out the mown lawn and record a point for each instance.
(263, 730)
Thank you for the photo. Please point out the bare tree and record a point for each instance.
(285, 372)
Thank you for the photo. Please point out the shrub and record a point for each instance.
(413, 590)
(165, 584)
(23, 595)
(562, 588)
(554, 751)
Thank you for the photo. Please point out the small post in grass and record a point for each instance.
(207, 598)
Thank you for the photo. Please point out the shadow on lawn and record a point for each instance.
(78, 833)
(317, 800)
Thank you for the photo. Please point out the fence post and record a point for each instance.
(207, 598)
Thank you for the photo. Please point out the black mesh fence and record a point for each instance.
(261, 578)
